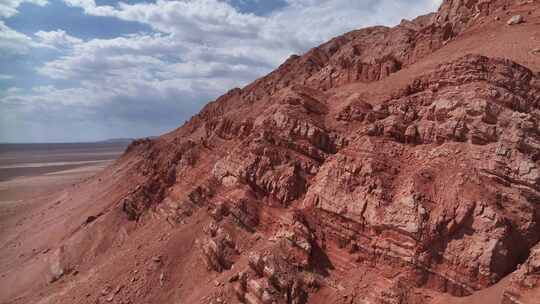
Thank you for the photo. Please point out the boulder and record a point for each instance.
(516, 19)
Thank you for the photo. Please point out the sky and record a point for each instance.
(89, 70)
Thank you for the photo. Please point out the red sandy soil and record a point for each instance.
(389, 165)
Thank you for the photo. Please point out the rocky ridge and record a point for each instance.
(301, 189)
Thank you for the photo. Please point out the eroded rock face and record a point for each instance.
(441, 181)
(411, 188)
(217, 248)
(281, 273)
(525, 281)
(159, 168)
(284, 147)
(461, 102)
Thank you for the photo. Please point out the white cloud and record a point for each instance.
(157, 63)
(90, 7)
(57, 39)
(300, 24)
(5, 77)
(208, 41)
(43, 96)
(309, 22)
(8, 8)
(13, 42)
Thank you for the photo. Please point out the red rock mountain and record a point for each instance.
(388, 165)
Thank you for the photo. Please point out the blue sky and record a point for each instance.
(85, 70)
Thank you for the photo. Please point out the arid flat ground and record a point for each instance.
(29, 169)
(31, 172)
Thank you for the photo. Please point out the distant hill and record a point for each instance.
(117, 140)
